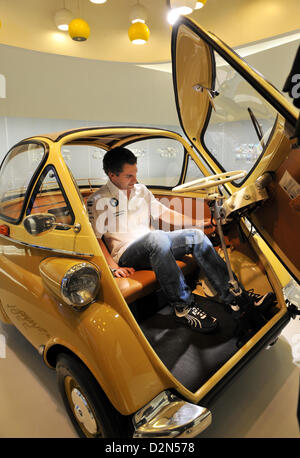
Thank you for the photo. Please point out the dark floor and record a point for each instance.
(192, 357)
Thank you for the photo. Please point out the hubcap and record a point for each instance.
(83, 411)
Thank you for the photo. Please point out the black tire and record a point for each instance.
(84, 400)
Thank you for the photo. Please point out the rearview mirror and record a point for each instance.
(43, 222)
(38, 223)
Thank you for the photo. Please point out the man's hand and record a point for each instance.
(122, 272)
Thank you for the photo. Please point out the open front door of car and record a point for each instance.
(236, 120)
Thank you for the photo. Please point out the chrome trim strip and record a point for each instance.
(168, 416)
(53, 250)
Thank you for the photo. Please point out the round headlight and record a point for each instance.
(80, 285)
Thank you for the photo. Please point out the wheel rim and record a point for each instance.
(81, 408)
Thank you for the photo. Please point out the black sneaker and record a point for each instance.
(251, 299)
(262, 303)
(195, 318)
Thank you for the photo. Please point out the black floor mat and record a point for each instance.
(190, 356)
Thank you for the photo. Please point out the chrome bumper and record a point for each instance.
(169, 416)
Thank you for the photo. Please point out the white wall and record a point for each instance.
(275, 63)
(52, 86)
(42, 93)
(46, 93)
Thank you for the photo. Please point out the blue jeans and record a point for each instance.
(158, 251)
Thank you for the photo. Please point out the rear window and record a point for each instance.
(159, 161)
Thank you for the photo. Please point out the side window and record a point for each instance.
(17, 171)
(192, 172)
(49, 197)
(159, 160)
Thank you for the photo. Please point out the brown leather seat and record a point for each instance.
(143, 282)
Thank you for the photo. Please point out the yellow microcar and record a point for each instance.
(124, 367)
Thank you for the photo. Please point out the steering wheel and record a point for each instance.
(211, 181)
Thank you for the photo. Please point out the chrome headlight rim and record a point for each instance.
(69, 276)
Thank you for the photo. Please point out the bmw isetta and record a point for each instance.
(123, 367)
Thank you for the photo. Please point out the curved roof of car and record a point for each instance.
(113, 131)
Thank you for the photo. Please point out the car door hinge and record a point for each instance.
(292, 309)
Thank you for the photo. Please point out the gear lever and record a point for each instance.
(218, 206)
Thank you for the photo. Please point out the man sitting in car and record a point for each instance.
(121, 212)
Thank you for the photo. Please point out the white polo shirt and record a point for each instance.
(121, 220)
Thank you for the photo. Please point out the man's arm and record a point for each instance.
(171, 217)
(117, 271)
(175, 218)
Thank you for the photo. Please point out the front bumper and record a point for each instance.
(168, 416)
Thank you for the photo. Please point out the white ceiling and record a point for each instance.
(30, 24)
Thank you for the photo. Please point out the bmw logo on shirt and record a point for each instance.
(114, 202)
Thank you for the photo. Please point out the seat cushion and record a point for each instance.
(143, 282)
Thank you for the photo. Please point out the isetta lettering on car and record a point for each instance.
(124, 367)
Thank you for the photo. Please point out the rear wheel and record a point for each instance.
(87, 406)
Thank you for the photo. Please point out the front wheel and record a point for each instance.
(87, 406)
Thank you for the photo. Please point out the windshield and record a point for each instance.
(240, 123)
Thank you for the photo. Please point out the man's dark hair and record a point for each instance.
(115, 159)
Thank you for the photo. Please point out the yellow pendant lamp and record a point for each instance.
(79, 30)
(138, 32)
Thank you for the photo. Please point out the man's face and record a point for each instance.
(125, 179)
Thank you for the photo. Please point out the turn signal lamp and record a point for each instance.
(4, 229)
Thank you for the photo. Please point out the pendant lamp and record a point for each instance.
(138, 32)
(79, 30)
(62, 19)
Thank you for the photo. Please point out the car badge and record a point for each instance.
(114, 202)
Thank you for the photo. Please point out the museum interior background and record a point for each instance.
(48, 83)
